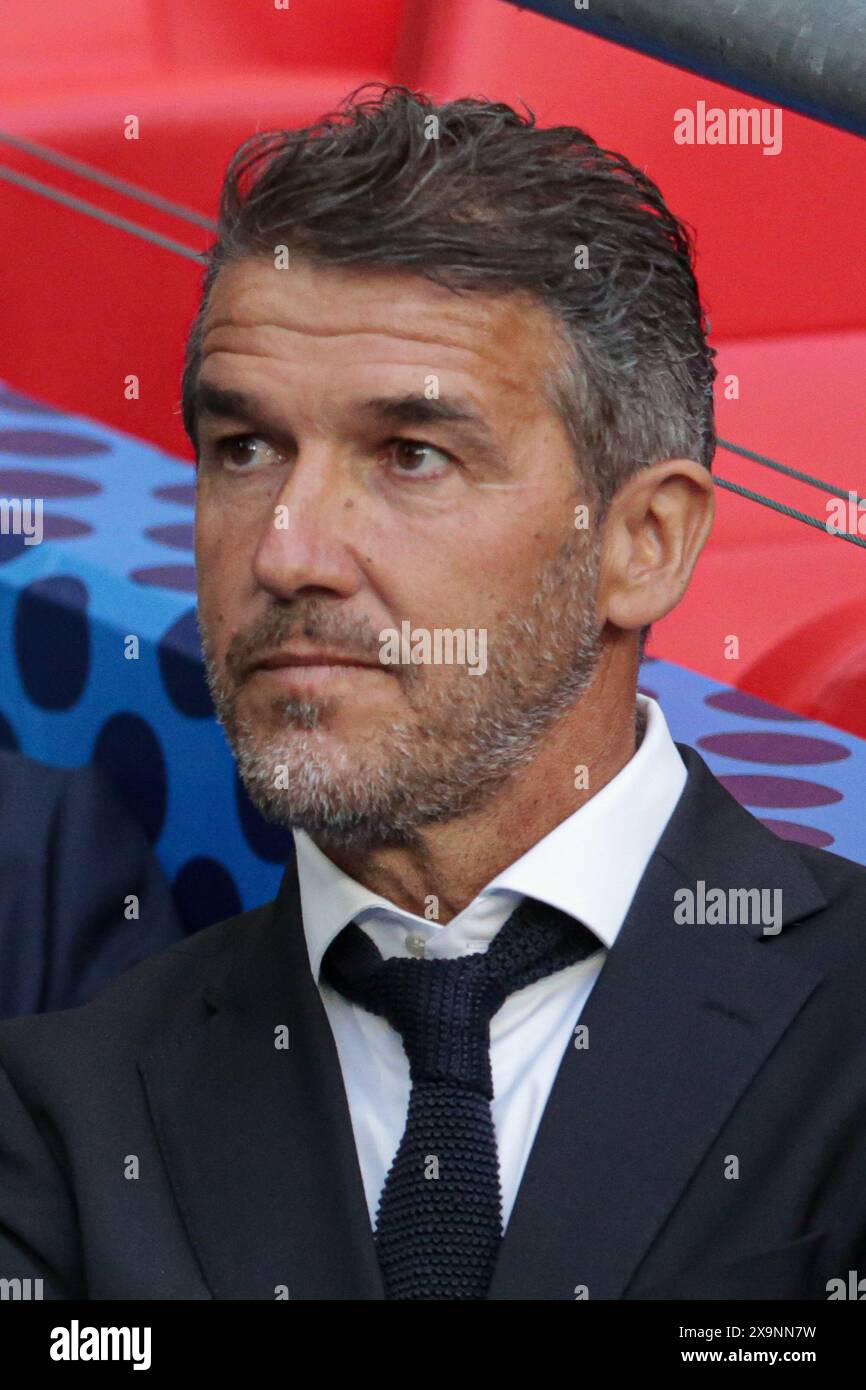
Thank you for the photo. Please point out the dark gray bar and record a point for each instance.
(807, 55)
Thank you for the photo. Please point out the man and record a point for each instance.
(82, 895)
(451, 400)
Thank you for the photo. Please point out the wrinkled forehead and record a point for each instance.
(332, 313)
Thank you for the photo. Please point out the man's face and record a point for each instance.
(396, 462)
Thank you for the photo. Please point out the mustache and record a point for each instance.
(313, 619)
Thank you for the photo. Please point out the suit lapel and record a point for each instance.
(679, 1021)
(257, 1140)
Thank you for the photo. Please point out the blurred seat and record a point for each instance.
(84, 304)
(778, 241)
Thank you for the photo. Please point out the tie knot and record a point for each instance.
(442, 1008)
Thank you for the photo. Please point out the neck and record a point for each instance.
(450, 863)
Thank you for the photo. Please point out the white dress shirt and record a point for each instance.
(589, 866)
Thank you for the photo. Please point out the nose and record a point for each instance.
(305, 544)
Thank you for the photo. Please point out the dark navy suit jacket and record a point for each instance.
(70, 854)
(710, 1142)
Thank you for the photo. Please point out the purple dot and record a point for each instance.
(128, 749)
(779, 791)
(800, 834)
(51, 443)
(179, 535)
(739, 702)
(52, 641)
(268, 840)
(12, 544)
(205, 893)
(645, 690)
(176, 492)
(56, 527)
(8, 736)
(181, 578)
(182, 670)
(35, 482)
(764, 746)
(13, 400)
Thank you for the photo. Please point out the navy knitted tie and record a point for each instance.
(439, 1221)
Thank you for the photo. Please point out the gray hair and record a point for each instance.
(475, 196)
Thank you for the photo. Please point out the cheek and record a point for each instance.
(209, 577)
(206, 536)
(499, 575)
(220, 571)
(224, 547)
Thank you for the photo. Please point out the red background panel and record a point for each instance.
(779, 247)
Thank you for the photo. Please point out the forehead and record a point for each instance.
(333, 315)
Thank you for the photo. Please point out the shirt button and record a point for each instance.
(416, 943)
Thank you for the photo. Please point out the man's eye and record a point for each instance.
(420, 460)
(235, 451)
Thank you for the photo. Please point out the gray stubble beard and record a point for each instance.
(461, 748)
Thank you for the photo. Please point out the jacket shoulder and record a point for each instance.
(149, 1001)
(843, 882)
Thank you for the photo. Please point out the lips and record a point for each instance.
(278, 660)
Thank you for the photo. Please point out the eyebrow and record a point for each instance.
(224, 403)
(413, 408)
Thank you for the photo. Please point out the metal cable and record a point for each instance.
(91, 210)
(155, 200)
(789, 472)
(89, 171)
(788, 511)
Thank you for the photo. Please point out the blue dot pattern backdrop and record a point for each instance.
(116, 562)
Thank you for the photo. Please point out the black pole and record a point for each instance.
(808, 55)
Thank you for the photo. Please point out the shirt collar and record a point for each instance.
(589, 865)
